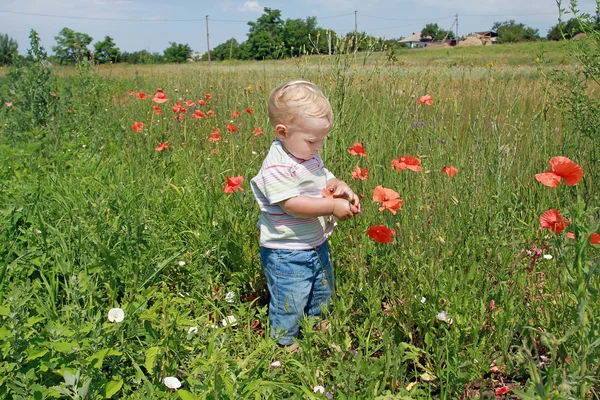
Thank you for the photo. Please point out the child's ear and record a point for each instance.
(281, 131)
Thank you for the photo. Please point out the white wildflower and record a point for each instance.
(230, 320)
(192, 330)
(276, 364)
(548, 256)
(230, 297)
(181, 263)
(116, 315)
(172, 383)
(319, 389)
(445, 317)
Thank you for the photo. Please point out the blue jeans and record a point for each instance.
(300, 282)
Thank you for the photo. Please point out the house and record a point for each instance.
(487, 37)
(415, 40)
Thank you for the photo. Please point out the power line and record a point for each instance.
(508, 15)
(141, 19)
(335, 16)
(413, 24)
(110, 19)
(405, 20)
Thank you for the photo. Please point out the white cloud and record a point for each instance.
(251, 6)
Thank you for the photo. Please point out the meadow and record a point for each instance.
(117, 201)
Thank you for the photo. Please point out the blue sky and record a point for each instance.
(150, 25)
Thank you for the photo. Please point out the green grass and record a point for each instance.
(95, 218)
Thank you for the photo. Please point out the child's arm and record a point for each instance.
(342, 190)
(308, 207)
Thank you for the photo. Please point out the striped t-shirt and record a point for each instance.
(281, 177)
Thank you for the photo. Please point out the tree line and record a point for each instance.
(272, 37)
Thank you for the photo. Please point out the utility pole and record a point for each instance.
(456, 28)
(355, 30)
(207, 39)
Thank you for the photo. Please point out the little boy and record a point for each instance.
(298, 198)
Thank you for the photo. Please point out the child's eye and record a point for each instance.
(309, 142)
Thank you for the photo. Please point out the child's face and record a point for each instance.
(305, 137)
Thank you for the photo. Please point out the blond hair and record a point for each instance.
(298, 98)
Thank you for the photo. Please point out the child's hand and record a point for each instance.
(342, 209)
(342, 190)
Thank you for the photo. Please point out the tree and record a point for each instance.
(105, 51)
(230, 50)
(141, 57)
(569, 29)
(510, 32)
(265, 38)
(177, 52)
(299, 33)
(71, 46)
(436, 33)
(8, 49)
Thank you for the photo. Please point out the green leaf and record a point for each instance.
(112, 388)
(4, 310)
(35, 352)
(97, 358)
(151, 355)
(70, 379)
(185, 395)
(64, 347)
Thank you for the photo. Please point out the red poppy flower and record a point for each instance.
(190, 103)
(201, 102)
(131, 92)
(570, 235)
(160, 98)
(249, 111)
(594, 238)
(159, 90)
(563, 168)
(425, 100)
(389, 199)
(552, 220)
(137, 126)
(211, 113)
(198, 114)
(502, 390)
(53, 94)
(235, 114)
(142, 96)
(357, 149)
(208, 96)
(157, 110)
(328, 192)
(258, 132)
(177, 107)
(231, 128)
(162, 146)
(449, 170)
(233, 184)
(214, 137)
(405, 162)
(360, 173)
(381, 234)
